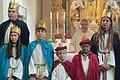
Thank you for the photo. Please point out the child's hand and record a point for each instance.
(42, 77)
(10, 79)
(104, 67)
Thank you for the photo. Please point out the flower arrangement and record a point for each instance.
(68, 36)
(58, 36)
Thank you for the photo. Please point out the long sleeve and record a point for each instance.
(45, 72)
(111, 59)
(100, 58)
(32, 69)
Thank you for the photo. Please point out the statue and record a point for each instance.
(89, 9)
(112, 10)
(85, 9)
(76, 12)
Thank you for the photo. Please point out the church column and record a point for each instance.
(41, 10)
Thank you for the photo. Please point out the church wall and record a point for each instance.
(38, 10)
(31, 17)
(5, 8)
(46, 14)
(43, 8)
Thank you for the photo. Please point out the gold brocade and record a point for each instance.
(100, 8)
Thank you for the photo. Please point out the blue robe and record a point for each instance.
(24, 38)
(5, 61)
(48, 53)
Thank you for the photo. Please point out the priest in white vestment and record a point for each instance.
(83, 32)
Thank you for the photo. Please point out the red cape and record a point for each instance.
(93, 69)
(66, 64)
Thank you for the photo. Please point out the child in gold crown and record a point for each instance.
(13, 20)
(40, 55)
(12, 57)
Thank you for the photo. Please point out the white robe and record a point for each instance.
(59, 73)
(37, 62)
(16, 66)
(85, 64)
(110, 59)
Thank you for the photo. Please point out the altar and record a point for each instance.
(65, 15)
(65, 18)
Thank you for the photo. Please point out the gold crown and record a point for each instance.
(14, 5)
(41, 24)
(15, 29)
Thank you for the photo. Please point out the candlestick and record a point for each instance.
(57, 24)
(51, 22)
(64, 24)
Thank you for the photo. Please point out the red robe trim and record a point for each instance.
(93, 69)
(66, 64)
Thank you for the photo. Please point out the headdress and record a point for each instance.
(14, 5)
(15, 29)
(85, 41)
(60, 48)
(41, 24)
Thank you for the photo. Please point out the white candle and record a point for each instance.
(64, 23)
(57, 15)
(50, 15)
(57, 24)
(51, 22)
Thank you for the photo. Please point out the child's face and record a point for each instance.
(106, 23)
(85, 48)
(14, 37)
(61, 54)
(40, 34)
(12, 14)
